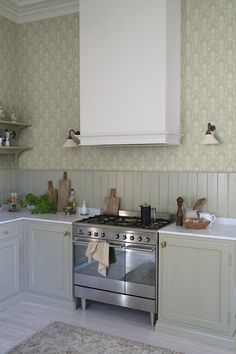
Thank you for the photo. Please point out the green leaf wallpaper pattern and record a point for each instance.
(48, 96)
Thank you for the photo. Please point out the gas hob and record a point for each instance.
(130, 221)
(124, 227)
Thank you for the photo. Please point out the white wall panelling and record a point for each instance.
(231, 193)
(8, 183)
(223, 192)
(212, 196)
(133, 187)
(173, 190)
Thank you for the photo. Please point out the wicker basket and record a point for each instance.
(196, 223)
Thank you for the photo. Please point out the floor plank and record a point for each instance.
(25, 318)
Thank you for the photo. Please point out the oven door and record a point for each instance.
(86, 272)
(140, 270)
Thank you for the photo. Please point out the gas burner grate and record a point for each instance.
(125, 221)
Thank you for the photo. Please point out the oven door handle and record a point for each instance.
(85, 243)
(137, 248)
(116, 245)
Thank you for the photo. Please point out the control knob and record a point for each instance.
(89, 233)
(139, 238)
(117, 236)
(124, 237)
(103, 234)
(131, 238)
(147, 239)
(95, 234)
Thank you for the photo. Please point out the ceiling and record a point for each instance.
(21, 11)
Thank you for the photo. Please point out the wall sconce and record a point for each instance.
(209, 137)
(72, 141)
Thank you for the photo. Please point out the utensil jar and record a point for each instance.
(145, 214)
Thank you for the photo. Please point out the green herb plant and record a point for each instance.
(42, 204)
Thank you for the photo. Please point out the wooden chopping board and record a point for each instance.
(111, 203)
(63, 192)
(53, 193)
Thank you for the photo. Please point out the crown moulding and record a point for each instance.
(22, 11)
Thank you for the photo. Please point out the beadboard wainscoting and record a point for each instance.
(8, 183)
(133, 187)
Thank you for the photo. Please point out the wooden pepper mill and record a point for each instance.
(179, 214)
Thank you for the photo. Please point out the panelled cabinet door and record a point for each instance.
(194, 282)
(9, 267)
(50, 264)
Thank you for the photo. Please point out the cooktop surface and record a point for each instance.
(129, 221)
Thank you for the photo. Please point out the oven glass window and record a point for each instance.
(86, 267)
(140, 275)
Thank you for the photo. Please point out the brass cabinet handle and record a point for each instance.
(67, 233)
(163, 244)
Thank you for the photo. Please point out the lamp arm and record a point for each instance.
(74, 133)
(210, 128)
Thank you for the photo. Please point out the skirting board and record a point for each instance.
(197, 335)
(50, 301)
(4, 304)
(38, 299)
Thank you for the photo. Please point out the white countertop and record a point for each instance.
(6, 216)
(222, 228)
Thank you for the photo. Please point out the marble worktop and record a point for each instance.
(221, 228)
(59, 217)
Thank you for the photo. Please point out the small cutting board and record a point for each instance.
(53, 193)
(111, 203)
(63, 192)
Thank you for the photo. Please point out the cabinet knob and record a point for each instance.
(163, 244)
(67, 233)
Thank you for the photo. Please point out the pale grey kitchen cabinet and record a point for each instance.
(196, 284)
(10, 264)
(49, 258)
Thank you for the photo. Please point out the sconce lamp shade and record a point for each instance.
(209, 138)
(72, 141)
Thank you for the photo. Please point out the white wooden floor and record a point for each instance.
(24, 319)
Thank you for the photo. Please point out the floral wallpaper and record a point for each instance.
(48, 74)
(49, 89)
(8, 73)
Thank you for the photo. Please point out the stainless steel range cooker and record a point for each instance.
(132, 276)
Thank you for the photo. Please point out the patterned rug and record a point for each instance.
(61, 338)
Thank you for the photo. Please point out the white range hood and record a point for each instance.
(130, 72)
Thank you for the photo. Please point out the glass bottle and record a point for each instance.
(72, 201)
